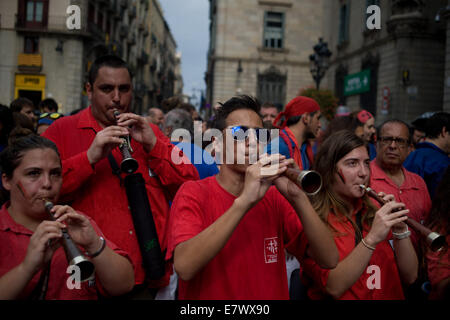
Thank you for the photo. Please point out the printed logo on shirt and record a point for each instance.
(271, 250)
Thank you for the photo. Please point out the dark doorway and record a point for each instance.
(33, 95)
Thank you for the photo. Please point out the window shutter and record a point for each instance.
(21, 13)
(45, 14)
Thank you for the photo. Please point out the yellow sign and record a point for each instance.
(30, 82)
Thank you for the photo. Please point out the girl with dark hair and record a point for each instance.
(368, 268)
(32, 263)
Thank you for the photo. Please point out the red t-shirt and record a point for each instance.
(438, 264)
(413, 193)
(14, 239)
(98, 193)
(252, 263)
(381, 263)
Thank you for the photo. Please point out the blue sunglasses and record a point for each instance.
(240, 133)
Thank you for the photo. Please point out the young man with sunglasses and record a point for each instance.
(228, 233)
(389, 176)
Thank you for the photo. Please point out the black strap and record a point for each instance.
(40, 291)
(115, 167)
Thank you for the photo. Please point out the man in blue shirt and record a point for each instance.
(201, 159)
(430, 159)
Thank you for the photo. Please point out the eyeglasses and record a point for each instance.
(387, 141)
(53, 115)
(240, 133)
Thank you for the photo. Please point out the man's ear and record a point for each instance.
(89, 90)
(305, 118)
(167, 131)
(443, 131)
(5, 182)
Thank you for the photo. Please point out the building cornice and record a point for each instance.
(260, 60)
(275, 3)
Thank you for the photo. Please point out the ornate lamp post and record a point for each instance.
(318, 61)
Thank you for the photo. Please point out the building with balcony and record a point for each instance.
(261, 48)
(43, 57)
(163, 74)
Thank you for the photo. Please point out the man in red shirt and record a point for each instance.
(84, 141)
(228, 232)
(389, 176)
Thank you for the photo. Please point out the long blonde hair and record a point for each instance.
(334, 148)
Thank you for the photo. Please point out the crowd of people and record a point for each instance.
(224, 229)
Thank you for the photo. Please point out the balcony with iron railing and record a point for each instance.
(27, 62)
(61, 24)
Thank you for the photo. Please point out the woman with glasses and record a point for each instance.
(369, 268)
(228, 233)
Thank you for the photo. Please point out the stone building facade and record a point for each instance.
(405, 58)
(443, 16)
(42, 57)
(261, 48)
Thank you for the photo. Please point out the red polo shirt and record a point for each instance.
(382, 263)
(14, 239)
(413, 193)
(98, 192)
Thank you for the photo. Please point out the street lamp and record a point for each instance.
(318, 61)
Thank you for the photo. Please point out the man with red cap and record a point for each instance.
(299, 122)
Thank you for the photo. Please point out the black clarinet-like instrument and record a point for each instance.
(73, 254)
(128, 164)
(141, 213)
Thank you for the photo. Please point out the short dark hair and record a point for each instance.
(11, 157)
(19, 103)
(106, 61)
(380, 127)
(435, 124)
(337, 124)
(272, 105)
(50, 104)
(233, 104)
(295, 119)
